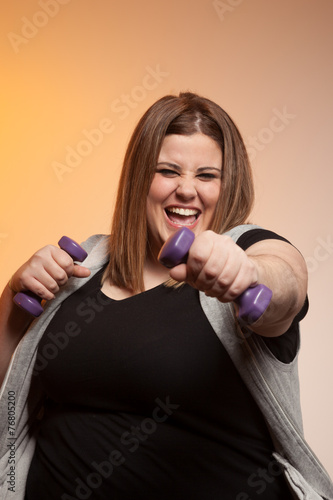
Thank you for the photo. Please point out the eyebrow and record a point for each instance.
(201, 169)
(177, 167)
(168, 164)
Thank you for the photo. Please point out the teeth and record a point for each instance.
(183, 211)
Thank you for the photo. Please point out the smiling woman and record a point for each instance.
(211, 138)
(145, 381)
(185, 188)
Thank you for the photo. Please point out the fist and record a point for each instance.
(47, 270)
(217, 266)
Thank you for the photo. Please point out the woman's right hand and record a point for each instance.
(46, 271)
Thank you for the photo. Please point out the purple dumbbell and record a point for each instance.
(252, 303)
(31, 302)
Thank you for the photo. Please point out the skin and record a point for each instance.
(187, 176)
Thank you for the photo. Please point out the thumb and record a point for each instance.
(179, 273)
(81, 271)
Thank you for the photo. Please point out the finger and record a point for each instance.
(46, 285)
(48, 269)
(32, 284)
(210, 261)
(42, 283)
(227, 288)
(246, 278)
(63, 261)
(199, 254)
(66, 263)
(213, 268)
(81, 271)
(227, 271)
(222, 286)
(179, 273)
(52, 275)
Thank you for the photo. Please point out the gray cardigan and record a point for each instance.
(273, 384)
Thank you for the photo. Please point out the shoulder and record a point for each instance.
(97, 247)
(247, 235)
(94, 240)
(238, 231)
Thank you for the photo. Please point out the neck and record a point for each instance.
(154, 272)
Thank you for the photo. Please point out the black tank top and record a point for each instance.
(143, 402)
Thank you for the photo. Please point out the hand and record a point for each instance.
(47, 270)
(218, 267)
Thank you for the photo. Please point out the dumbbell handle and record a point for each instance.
(252, 303)
(31, 302)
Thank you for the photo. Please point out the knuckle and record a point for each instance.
(209, 273)
(35, 261)
(223, 281)
(60, 276)
(53, 287)
(25, 278)
(66, 262)
(196, 255)
(21, 284)
(208, 234)
(234, 293)
(230, 241)
(39, 291)
(44, 252)
(226, 241)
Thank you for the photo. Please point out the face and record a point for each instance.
(185, 188)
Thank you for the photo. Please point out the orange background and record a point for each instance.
(70, 66)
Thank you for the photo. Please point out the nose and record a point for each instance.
(186, 188)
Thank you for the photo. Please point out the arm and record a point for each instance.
(220, 268)
(43, 274)
(13, 324)
(282, 268)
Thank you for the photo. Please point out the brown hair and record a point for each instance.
(185, 114)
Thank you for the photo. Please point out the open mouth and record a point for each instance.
(182, 216)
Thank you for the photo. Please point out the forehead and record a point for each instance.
(196, 146)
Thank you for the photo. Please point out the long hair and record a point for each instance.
(185, 114)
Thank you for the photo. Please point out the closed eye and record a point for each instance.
(209, 173)
(167, 172)
(207, 176)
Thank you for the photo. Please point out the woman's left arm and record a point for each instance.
(281, 267)
(217, 266)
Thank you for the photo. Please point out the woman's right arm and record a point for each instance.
(42, 274)
(13, 324)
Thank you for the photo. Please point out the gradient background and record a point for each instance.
(74, 65)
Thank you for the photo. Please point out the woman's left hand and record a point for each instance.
(217, 266)
(220, 268)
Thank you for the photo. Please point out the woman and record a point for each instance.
(149, 389)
